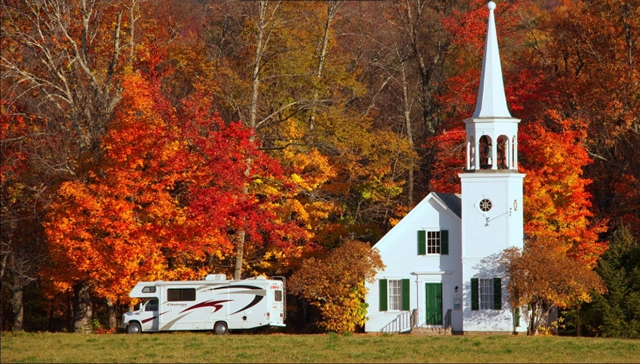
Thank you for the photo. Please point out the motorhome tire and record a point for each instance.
(133, 328)
(220, 328)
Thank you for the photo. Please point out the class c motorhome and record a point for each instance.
(213, 303)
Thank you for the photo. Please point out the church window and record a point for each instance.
(486, 152)
(502, 152)
(394, 294)
(486, 294)
(433, 242)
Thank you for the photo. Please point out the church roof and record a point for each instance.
(491, 98)
(452, 201)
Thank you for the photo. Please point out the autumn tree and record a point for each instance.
(60, 63)
(557, 202)
(419, 44)
(552, 150)
(589, 52)
(21, 236)
(67, 58)
(335, 284)
(559, 218)
(360, 103)
(107, 231)
(241, 188)
(541, 277)
(164, 203)
(258, 27)
(300, 96)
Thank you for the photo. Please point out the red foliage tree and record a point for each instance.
(172, 185)
(551, 150)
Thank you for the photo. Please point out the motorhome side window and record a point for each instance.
(181, 294)
(149, 289)
(278, 295)
(151, 306)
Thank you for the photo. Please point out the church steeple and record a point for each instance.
(491, 99)
(492, 134)
(491, 193)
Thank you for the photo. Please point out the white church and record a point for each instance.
(441, 261)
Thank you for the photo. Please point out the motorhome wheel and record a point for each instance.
(133, 328)
(220, 328)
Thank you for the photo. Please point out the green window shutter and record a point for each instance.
(497, 294)
(516, 317)
(405, 295)
(422, 242)
(444, 242)
(383, 295)
(475, 303)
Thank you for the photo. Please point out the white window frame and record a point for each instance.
(394, 295)
(485, 293)
(433, 242)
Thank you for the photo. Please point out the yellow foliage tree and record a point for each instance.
(335, 284)
(542, 277)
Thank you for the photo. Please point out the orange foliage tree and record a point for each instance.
(589, 52)
(170, 187)
(557, 203)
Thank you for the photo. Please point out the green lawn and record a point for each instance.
(205, 347)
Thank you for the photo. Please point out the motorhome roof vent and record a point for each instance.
(216, 277)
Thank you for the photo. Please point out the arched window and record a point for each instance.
(485, 152)
(503, 152)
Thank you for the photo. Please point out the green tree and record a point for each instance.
(617, 312)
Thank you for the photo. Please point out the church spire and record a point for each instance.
(491, 98)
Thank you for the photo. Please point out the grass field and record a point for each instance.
(205, 347)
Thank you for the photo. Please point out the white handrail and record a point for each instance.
(402, 323)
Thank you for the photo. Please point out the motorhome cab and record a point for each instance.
(213, 303)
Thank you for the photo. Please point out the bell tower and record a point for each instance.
(492, 218)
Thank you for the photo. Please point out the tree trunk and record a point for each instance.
(409, 127)
(113, 323)
(237, 273)
(17, 307)
(261, 45)
(539, 317)
(578, 323)
(332, 10)
(532, 320)
(82, 311)
(69, 318)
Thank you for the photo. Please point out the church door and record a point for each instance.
(434, 303)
